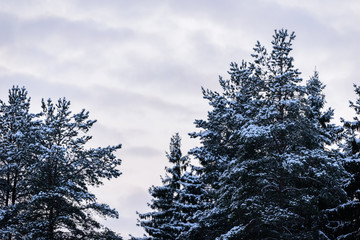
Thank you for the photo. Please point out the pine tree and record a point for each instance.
(55, 168)
(18, 131)
(61, 205)
(268, 172)
(343, 222)
(174, 202)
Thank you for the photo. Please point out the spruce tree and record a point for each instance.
(264, 158)
(174, 202)
(191, 200)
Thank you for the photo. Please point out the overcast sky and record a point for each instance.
(138, 67)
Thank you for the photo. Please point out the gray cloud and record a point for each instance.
(143, 151)
(138, 67)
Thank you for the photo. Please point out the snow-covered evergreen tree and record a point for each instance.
(264, 157)
(174, 202)
(191, 200)
(62, 206)
(343, 222)
(220, 142)
(55, 167)
(18, 131)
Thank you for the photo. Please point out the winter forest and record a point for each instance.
(270, 164)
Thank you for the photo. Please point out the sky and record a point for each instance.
(138, 67)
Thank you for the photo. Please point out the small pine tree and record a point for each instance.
(174, 202)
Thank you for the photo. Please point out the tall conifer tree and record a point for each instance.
(268, 172)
